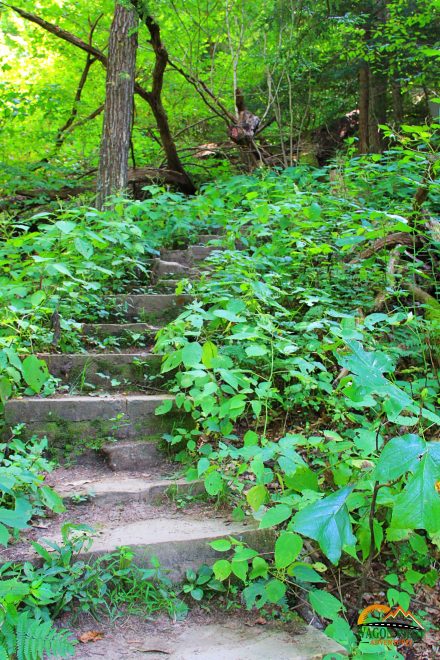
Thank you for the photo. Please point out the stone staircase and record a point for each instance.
(121, 482)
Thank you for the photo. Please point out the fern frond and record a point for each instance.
(36, 638)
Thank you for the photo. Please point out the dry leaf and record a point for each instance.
(91, 636)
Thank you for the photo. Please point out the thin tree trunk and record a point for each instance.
(363, 108)
(118, 110)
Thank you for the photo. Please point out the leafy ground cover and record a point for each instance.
(308, 361)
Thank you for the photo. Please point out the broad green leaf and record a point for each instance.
(400, 455)
(259, 568)
(275, 516)
(222, 569)
(192, 354)
(5, 389)
(325, 604)
(418, 505)
(240, 569)
(256, 350)
(221, 545)
(256, 496)
(304, 573)
(164, 407)
(275, 590)
(51, 499)
(35, 372)
(209, 352)
(213, 483)
(327, 521)
(84, 247)
(287, 548)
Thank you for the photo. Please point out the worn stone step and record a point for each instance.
(122, 330)
(152, 308)
(163, 268)
(99, 369)
(180, 541)
(77, 422)
(132, 455)
(213, 635)
(122, 488)
(188, 257)
(202, 239)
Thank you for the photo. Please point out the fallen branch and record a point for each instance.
(398, 238)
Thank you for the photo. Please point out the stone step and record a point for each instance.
(218, 636)
(79, 422)
(161, 268)
(179, 541)
(207, 238)
(153, 308)
(122, 330)
(193, 254)
(127, 488)
(99, 369)
(132, 455)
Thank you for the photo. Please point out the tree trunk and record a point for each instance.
(363, 108)
(377, 110)
(118, 111)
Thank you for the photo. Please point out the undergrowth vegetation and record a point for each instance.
(308, 361)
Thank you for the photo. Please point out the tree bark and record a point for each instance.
(397, 103)
(377, 110)
(118, 109)
(363, 108)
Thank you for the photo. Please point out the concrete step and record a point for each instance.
(122, 330)
(122, 488)
(202, 239)
(152, 308)
(131, 455)
(201, 252)
(212, 635)
(78, 422)
(99, 369)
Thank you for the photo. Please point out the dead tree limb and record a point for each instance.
(90, 60)
(389, 241)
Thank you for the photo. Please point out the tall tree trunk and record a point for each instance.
(118, 111)
(363, 108)
(377, 110)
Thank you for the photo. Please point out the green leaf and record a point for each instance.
(209, 352)
(4, 535)
(260, 568)
(19, 517)
(327, 521)
(400, 455)
(37, 298)
(52, 500)
(418, 505)
(325, 604)
(304, 573)
(341, 632)
(287, 548)
(222, 569)
(275, 516)
(84, 247)
(214, 483)
(192, 354)
(5, 389)
(164, 407)
(35, 372)
(256, 350)
(221, 545)
(256, 496)
(240, 569)
(275, 590)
